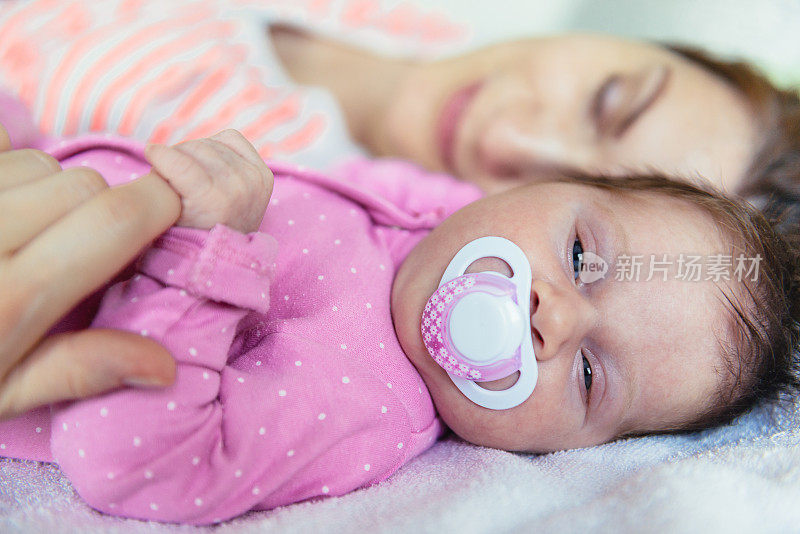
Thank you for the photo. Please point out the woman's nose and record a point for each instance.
(560, 319)
(515, 144)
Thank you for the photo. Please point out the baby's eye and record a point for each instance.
(587, 374)
(577, 257)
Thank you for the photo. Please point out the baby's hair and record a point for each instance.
(762, 358)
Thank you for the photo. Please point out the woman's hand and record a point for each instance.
(63, 234)
(221, 180)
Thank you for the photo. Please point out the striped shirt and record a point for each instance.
(173, 70)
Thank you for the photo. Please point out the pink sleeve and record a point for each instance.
(170, 454)
(18, 122)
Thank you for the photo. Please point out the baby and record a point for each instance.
(302, 369)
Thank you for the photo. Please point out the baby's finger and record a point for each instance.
(5, 141)
(84, 364)
(234, 140)
(216, 158)
(30, 208)
(22, 166)
(181, 169)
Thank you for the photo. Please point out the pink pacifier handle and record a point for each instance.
(435, 321)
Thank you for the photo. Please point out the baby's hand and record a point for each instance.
(220, 179)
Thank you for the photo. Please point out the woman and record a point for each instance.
(498, 117)
(588, 102)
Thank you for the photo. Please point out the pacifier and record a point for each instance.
(477, 326)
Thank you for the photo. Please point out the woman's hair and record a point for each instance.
(761, 359)
(772, 181)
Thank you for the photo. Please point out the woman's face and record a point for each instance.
(652, 345)
(594, 103)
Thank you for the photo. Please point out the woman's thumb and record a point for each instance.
(83, 364)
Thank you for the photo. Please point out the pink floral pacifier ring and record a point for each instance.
(478, 326)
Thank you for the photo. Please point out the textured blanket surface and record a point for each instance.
(741, 478)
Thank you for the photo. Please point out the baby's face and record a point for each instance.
(648, 350)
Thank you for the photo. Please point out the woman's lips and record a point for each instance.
(449, 121)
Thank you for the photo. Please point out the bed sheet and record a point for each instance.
(742, 478)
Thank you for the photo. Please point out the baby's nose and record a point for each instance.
(558, 318)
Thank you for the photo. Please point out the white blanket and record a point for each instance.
(742, 478)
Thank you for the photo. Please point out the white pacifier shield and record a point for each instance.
(484, 327)
(467, 337)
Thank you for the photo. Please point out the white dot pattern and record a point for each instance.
(339, 301)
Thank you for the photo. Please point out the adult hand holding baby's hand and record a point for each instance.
(221, 180)
(63, 234)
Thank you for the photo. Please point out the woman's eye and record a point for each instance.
(587, 374)
(577, 257)
(606, 103)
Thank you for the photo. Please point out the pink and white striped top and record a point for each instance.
(167, 71)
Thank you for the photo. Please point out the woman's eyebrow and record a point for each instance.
(654, 89)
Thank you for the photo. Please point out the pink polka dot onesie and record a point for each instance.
(291, 383)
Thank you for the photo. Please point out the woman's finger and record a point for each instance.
(83, 364)
(86, 247)
(5, 141)
(30, 208)
(25, 165)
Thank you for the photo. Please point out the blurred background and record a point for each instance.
(766, 32)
